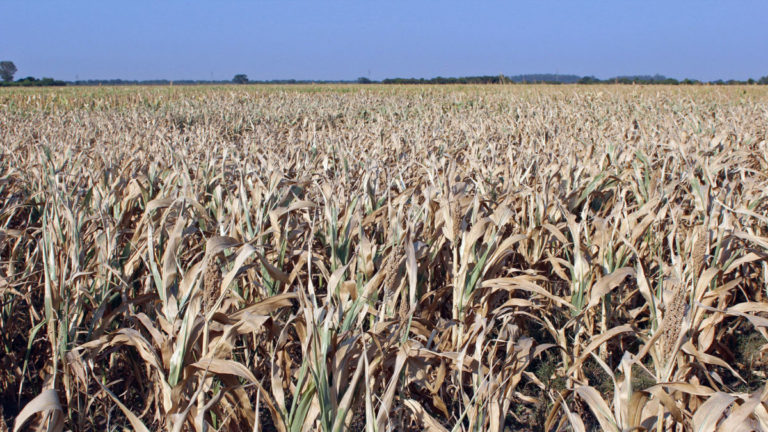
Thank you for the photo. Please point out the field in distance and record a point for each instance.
(347, 257)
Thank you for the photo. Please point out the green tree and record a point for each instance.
(7, 69)
(240, 79)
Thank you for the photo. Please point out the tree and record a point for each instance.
(240, 79)
(7, 69)
(589, 80)
(364, 80)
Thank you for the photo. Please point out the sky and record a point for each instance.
(344, 40)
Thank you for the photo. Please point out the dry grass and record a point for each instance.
(384, 258)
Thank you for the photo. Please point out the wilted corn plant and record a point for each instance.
(384, 258)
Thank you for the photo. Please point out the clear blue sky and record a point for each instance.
(319, 39)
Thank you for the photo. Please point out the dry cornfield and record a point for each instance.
(384, 258)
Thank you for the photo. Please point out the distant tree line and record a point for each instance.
(240, 80)
(34, 82)
(8, 69)
(484, 79)
(489, 79)
(122, 82)
(565, 79)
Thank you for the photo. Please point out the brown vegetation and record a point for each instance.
(384, 258)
